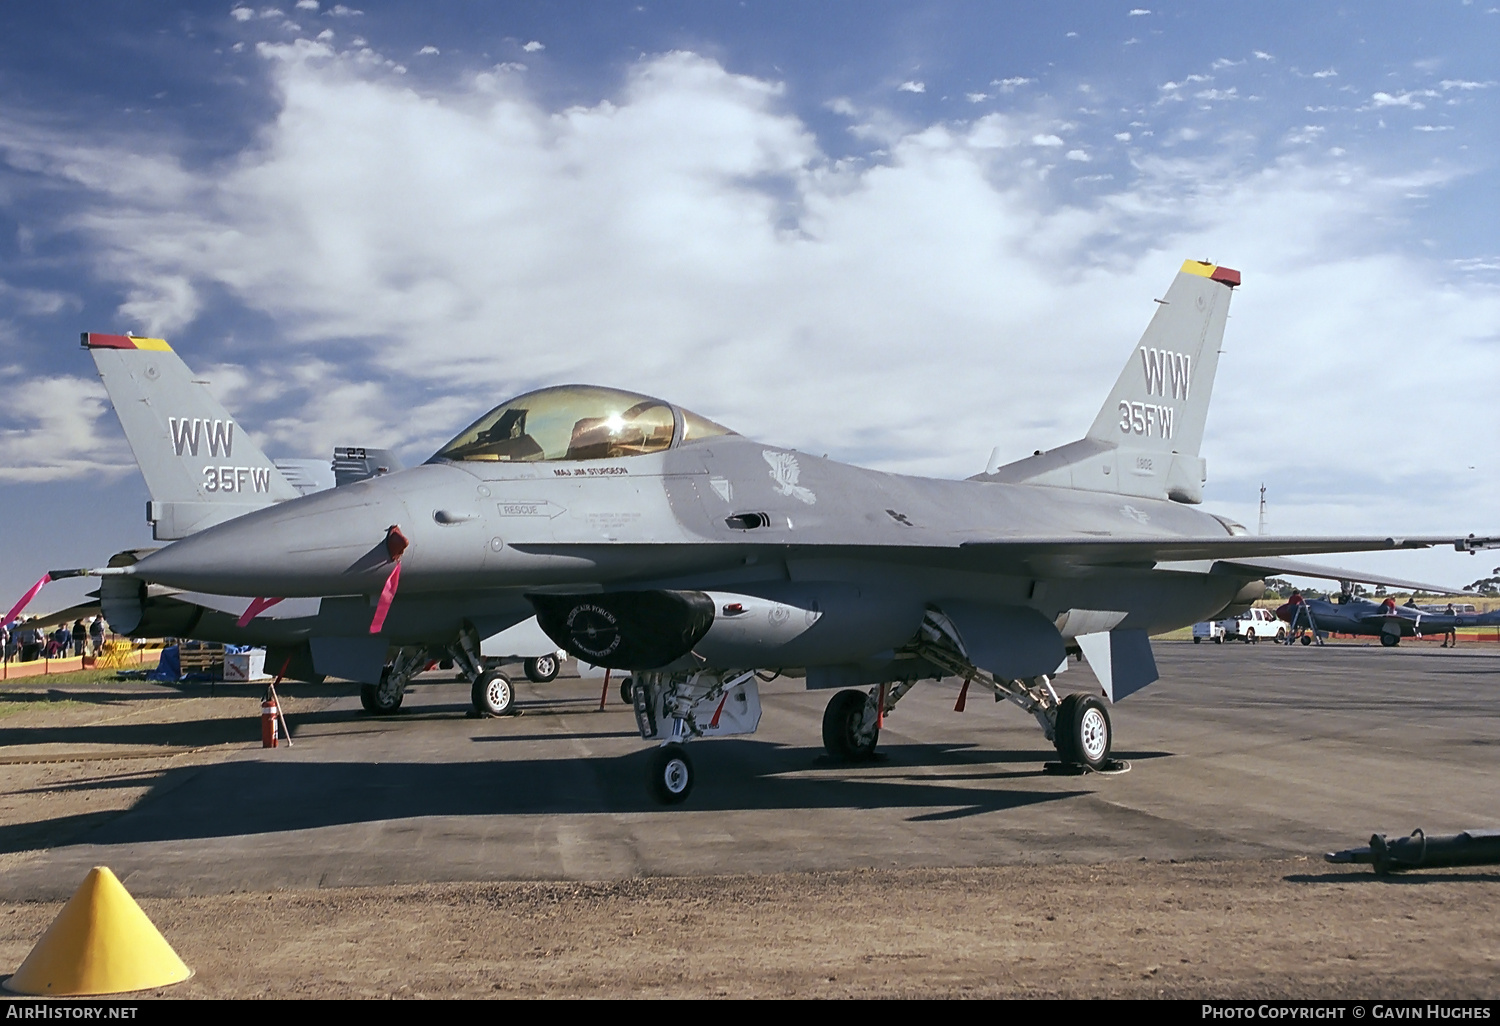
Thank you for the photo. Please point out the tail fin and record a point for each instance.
(1145, 439)
(200, 468)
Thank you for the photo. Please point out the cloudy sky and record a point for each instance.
(897, 233)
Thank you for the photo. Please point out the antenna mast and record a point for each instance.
(1262, 529)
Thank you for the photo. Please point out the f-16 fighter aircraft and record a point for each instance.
(647, 538)
(1384, 620)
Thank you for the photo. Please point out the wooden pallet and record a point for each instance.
(201, 659)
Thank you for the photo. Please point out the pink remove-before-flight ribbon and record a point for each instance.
(386, 595)
(15, 610)
(254, 609)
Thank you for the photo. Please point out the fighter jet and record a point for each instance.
(1312, 618)
(647, 538)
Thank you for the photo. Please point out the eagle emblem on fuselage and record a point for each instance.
(784, 471)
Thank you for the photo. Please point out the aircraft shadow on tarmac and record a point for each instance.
(266, 796)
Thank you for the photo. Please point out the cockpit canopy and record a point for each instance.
(577, 422)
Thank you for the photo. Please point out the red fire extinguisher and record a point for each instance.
(270, 717)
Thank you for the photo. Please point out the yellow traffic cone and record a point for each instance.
(100, 943)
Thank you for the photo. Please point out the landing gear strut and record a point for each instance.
(384, 698)
(677, 707)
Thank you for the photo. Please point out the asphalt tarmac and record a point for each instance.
(1237, 752)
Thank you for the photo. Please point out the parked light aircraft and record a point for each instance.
(1384, 620)
(650, 539)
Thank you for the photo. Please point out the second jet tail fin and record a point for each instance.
(1145, 439)
(200, 468)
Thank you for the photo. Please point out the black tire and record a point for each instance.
(841, 723)
(369, 697)
(1083, 734)
(627, 691)
(1390, 640)
(492, 694)
(542, 669)
(669, 774)
(1281, 636)
(1197, 641)
(1219, 640)
(1307, 639)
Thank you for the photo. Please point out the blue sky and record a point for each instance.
(901, 234)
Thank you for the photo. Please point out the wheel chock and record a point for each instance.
(100, 943)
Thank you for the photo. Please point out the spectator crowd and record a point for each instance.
(22, 642)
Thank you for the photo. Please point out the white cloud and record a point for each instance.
(912, 87)
(534, 46)
(51, 430)
(1122, 136)
(1409, 100)
(976, 97)
(1457, 83)
(1433, 128)
(1261, 55)
(426, 50)
(1079, 155)
(1010, 84)
(417, 256)
(1326, 73)
(340, 11)
(307, 5)
(1136, 12)
(241, 13)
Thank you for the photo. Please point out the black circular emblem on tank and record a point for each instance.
(626, 630)
(593, 630)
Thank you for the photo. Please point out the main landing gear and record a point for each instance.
(675, 708)
(490, 692)
(384, 698)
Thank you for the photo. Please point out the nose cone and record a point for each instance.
(328, 543)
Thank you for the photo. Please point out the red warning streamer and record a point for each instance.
(387, 593)
(395, 545)
(15, 610)
(254, 609)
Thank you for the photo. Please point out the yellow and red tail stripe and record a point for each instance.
(94, 340)
(1204, 269)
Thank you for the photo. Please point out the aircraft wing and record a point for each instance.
(1042, 556)
(1272, 565)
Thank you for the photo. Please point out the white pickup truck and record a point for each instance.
(1254, 624)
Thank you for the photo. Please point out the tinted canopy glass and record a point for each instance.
(576, 422)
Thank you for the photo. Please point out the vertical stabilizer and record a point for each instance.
(200, 468)
(1160, 402)
(1146, 437)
